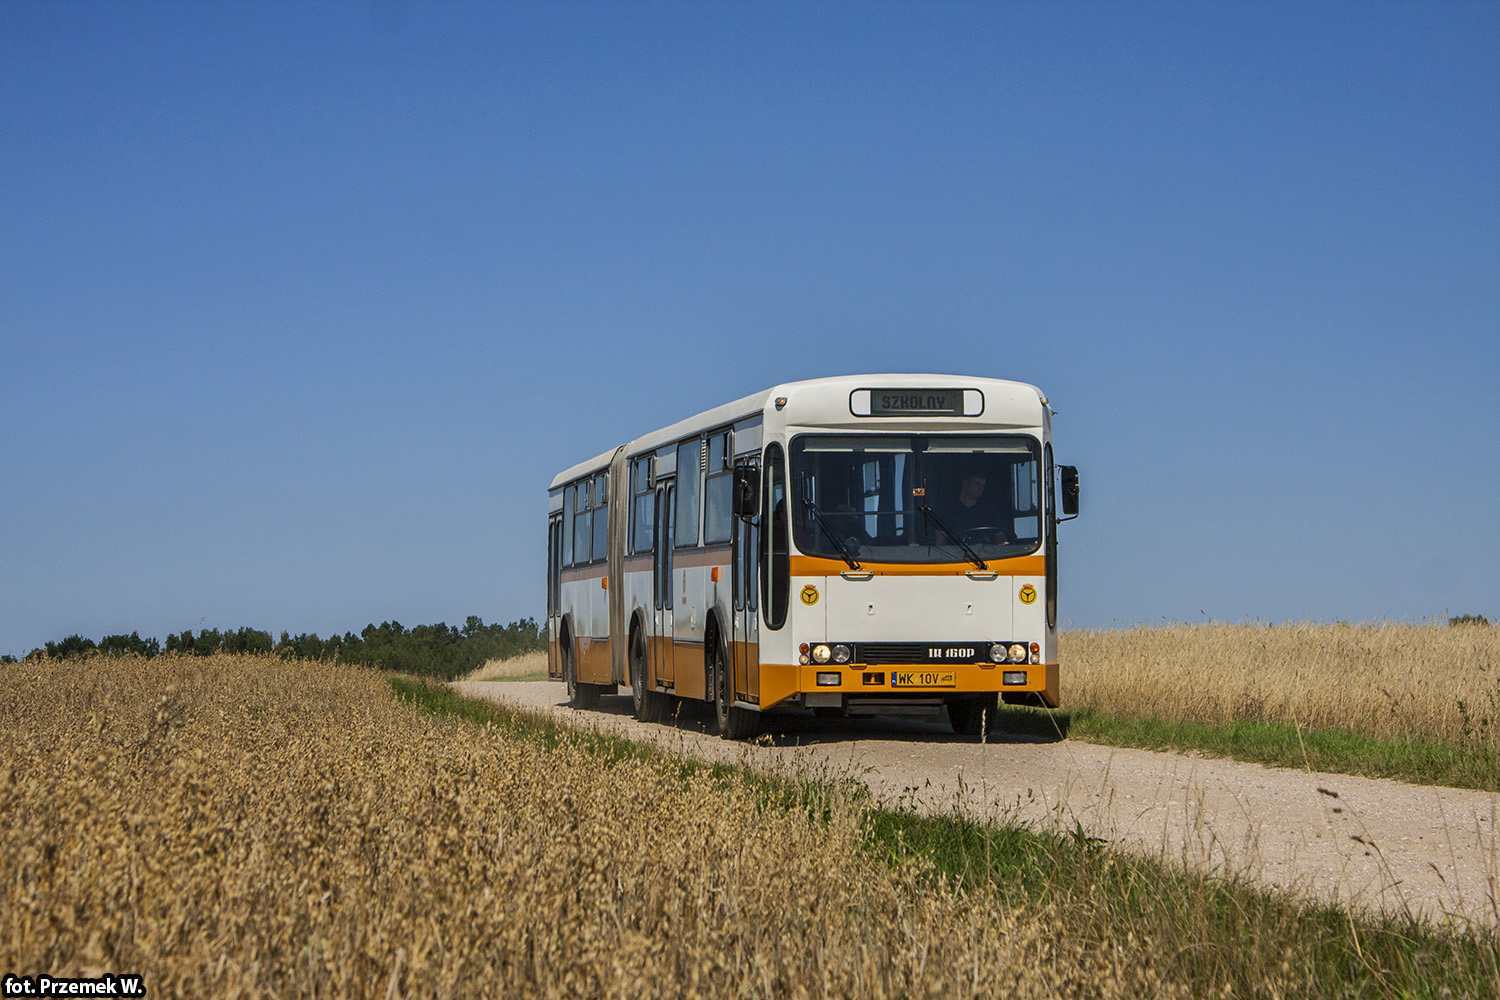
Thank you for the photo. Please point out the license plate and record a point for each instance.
(924, 678)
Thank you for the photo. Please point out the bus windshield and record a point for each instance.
(916, 498)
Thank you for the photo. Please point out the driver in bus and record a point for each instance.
(975, 522)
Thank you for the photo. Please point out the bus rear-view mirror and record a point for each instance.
(746, 491)
(1069, 489)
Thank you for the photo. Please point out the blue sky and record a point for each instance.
(302, 305)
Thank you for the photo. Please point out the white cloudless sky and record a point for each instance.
(302, 305)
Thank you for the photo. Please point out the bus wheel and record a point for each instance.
(734, 723)
(650, 706)
(580, 695)
(973, 715)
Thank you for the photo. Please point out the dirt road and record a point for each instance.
(1370, 842)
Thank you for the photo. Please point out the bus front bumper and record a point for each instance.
(779, 682)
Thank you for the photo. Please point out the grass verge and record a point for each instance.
(1275, 744)
(1217, 937)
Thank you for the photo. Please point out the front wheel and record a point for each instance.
(973, 715)
(734, 723)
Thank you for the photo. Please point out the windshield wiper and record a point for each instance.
(833, 536)
(958, 540)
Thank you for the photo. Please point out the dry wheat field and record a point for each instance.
(1388, 681)
(527, 666)
(244, 827)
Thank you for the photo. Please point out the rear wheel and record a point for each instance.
(580, 695)
(734, 723)
(973, 715)
(650, 706)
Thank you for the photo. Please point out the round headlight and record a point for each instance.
(841, 654)
(821, 653)
(997, 653)
(1018, 653)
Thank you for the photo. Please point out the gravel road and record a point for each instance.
(1368, 842)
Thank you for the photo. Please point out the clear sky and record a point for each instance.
(302, 305)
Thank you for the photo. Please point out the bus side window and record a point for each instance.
(567, 527)
(583, 524)
(643, 513)
(775, 581)
(689, 475)
(601, 517)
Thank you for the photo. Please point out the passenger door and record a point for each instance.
(554, 593)
(661, 579)
(745, 648)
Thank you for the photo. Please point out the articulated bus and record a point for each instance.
(874, 544)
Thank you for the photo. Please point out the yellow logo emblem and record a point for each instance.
(1028, 594)
(809, 594)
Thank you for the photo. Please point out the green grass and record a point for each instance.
(1216, 933)
(1275, 744)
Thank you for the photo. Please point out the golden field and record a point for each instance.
(1388, 681)
(242, 827)
(527, 666)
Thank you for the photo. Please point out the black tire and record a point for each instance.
(973, 715)
(650, 706)
(580, 695)
(734, 723)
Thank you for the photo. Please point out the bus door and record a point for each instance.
(554, 594)
(745, 649)
(661, 581)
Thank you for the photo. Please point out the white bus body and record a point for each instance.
(854, 577)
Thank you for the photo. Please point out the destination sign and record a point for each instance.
(916, 402)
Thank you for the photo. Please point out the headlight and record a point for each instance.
(830, 678)
(1015, 677)
(821, 653)
(997, 652)
(1018, 653)
(841, 654)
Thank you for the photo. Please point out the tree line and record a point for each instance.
(440, 650)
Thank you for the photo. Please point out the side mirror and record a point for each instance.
(1069, 489)
(746, 491)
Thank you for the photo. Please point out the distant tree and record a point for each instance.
(210, 641)
(307, 646)
(1469, 620)
(132, 644)
(8, 658)
(247, 640)
(73, 645)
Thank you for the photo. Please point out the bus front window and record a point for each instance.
(916, 498)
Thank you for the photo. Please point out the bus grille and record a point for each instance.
(890, 652)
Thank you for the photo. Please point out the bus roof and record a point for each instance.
(756, 403)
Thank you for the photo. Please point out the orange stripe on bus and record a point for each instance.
(1034, 565)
